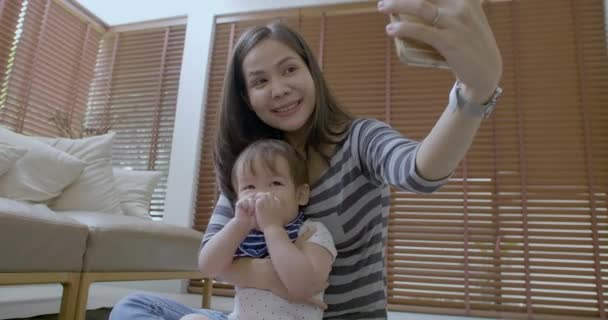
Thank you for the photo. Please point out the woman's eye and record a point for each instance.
(249, 187)
(277, 183)
(290, 69)
(258, 83)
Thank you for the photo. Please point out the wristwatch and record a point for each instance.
(475, 109)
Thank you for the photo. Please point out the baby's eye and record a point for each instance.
(277, 183)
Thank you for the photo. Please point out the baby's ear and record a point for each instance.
(303, 194)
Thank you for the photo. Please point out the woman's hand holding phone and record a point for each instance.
(459, 33)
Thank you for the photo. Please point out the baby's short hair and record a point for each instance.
(267, 150)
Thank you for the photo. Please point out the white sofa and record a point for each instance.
(67, 216)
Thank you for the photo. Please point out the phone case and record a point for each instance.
(416, 53)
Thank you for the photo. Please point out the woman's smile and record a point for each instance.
(288, 109)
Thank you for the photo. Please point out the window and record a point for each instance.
(47, 64)
(9, 17)
(58, 60)
(134, 91)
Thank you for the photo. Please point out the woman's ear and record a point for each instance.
(303, 194)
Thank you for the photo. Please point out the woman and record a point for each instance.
(274, 88)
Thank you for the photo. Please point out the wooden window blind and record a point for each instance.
(521, 230)
(9, 16)
(50, 66)
(135, 92)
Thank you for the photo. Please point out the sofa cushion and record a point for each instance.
(41, 174)
(94, 189)
(9, 155)
(119, 243)
(36, 239)
(135, 189)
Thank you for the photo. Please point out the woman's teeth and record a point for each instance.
(287, 108)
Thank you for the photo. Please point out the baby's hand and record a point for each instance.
(269, 210)
(245, 212)
(305, 234)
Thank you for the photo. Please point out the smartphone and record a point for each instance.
(415, 53)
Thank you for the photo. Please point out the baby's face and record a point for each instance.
(258, 178)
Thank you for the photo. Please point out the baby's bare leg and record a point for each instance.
(194, 317)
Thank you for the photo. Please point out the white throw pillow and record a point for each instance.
(94, 189)
(135, 189)
(9, 154)
(41, 174)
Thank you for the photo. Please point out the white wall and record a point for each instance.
(114, 12)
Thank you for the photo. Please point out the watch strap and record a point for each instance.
(473, 109)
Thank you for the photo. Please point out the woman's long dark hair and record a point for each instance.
(239, 125)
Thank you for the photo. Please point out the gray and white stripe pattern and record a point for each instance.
(352, 199)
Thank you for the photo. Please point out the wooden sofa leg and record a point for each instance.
(83, 297)
(207, 288)
(69, 297)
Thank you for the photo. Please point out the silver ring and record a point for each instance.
(436, 19)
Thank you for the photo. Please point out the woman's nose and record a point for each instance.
(279, 89)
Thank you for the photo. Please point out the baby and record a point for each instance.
(270, 180)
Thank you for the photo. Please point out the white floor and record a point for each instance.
(30, 301)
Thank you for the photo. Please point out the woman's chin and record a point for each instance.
(290, 126)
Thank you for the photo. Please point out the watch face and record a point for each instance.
(484, 109)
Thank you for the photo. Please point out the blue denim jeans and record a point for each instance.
(140, 306)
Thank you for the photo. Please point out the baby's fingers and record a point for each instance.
(317, 303)
(306, 233)
(249, 206)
